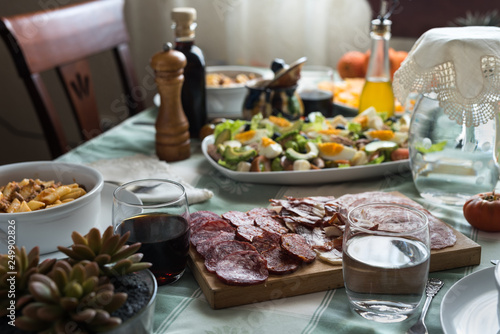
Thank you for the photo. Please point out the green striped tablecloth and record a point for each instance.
(182, 308)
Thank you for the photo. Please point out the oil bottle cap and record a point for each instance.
(184, 21)
(381, 27)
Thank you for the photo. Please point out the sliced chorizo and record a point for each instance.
(297, 246)
(242, 268)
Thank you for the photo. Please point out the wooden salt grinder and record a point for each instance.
(172, 127)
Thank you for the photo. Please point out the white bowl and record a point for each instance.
(228, 101)
(51, 227)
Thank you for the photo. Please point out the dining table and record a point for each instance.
(182, 307)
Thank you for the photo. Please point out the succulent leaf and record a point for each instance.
(69, 303)
(60, 277)
(78, 273)
(84, 252)
(32, 309)
(121, 242)
(91, 269)
(78, 239)
(102, 259)
(73, 289)
(23, 300)
(137, 257)
(121, 267)
(41, 292)
(33, 258)
(101, 318)
(84, 316)
(108, 233)
(70, 253)
(111, 323)
(116, 302)
(27, 274)
(138, 267)
(94, 240)
(49, 312)
(126, 251)
(89, 284)
(110, 244)
(31, 324)
(46, 266)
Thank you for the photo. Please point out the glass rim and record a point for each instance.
(182, 196)
(419, 212)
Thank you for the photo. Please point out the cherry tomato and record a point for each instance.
(483, 211)
(400, 154)
(206, 130)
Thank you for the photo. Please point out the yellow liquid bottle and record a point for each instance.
(377, 94)
(377, 90)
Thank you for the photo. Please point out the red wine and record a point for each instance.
(165, 243)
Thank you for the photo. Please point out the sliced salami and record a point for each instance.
(270, 224)
(199, 217)
(205, 246)
(279, 262)
(238, 218)
(242, 268)
(297, 246)
(248, 232)
(266, 241)
(222, 249)
(210, 229)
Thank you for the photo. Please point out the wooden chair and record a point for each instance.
(63, 39)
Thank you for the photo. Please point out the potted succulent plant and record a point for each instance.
(100, 287)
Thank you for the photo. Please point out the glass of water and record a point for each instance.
(386, 254)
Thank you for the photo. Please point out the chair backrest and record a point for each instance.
(63, 39)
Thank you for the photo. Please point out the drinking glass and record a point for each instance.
(313, 97)
(386, 254)
(156, 213)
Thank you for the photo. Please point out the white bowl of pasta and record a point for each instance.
(226, 89)
(43, 202)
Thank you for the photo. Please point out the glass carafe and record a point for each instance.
(451, 162)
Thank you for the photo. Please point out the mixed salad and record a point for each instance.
(277, 144)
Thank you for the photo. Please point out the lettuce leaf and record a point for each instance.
(433, 148)
(233, 125)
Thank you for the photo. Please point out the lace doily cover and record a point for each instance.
(461, 65)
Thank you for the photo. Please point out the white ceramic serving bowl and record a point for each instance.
(228, 101)
(51, 227)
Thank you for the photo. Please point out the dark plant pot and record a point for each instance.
(141, 322)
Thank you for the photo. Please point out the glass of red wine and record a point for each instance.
(156, 213)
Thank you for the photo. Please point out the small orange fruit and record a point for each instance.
(351, 65)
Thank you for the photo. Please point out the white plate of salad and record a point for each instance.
(303, 152)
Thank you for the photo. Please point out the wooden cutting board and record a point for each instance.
(314, 277)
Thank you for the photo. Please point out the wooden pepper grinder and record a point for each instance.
(172, 127)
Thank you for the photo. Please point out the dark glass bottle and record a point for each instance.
(193, 90)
